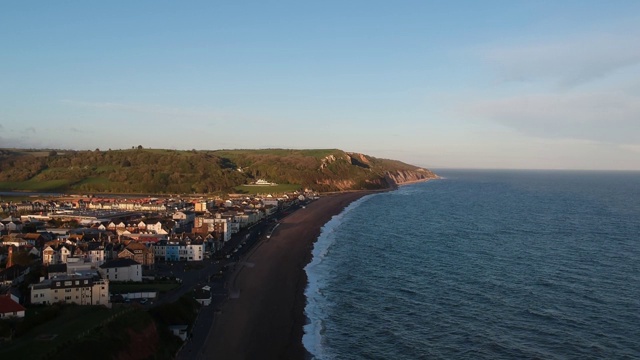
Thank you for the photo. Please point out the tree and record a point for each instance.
(140, 147)
(53, 153)
(21, 258)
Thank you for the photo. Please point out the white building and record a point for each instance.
(81, 290)
(121, 270)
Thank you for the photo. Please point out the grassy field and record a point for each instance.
(317, 153)
(73, 321)
(278, 189)
(34, 185)
(119, 288)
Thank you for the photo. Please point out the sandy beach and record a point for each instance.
(264, 317)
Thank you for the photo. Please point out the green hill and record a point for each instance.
(158, 171)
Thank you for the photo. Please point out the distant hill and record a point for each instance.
(158, 171)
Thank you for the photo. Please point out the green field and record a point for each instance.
(94, 181)
(317, 153)
(278, 189)
(65, 328)
(34, 185)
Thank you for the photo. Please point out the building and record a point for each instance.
(184, 217)
(72, 289)
(203, 295)
(217, 225)
(95, 252)
(179, 250)
(13, 275)
(10, 308)
(139, 253)
(121, 270)
(56, 253)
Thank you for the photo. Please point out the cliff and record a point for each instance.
(400, 177)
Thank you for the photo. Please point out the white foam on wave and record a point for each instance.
(317, 306)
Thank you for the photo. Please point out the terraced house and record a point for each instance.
(179, 250)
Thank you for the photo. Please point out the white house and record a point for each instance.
(56, 254)
(121, 270)
(95, 253)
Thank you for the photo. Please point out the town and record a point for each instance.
(117, 252)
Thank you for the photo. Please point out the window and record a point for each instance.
(86, 282)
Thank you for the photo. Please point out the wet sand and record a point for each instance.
(264, 317)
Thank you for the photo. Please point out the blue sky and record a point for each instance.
(460, 84)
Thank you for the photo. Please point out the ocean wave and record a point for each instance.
(496, 268)
(316, 308)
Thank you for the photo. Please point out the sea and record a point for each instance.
(482, 265)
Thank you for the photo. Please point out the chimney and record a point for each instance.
(10, 261)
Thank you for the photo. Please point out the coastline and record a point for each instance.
(264, 317)
(417, 181)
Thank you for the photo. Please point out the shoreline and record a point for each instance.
(418, 181)
(264, 316)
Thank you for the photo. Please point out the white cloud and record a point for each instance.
(603, 117)
(631, 147)
(566, 62)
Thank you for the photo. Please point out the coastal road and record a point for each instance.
(252, 237)
(192, 278)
